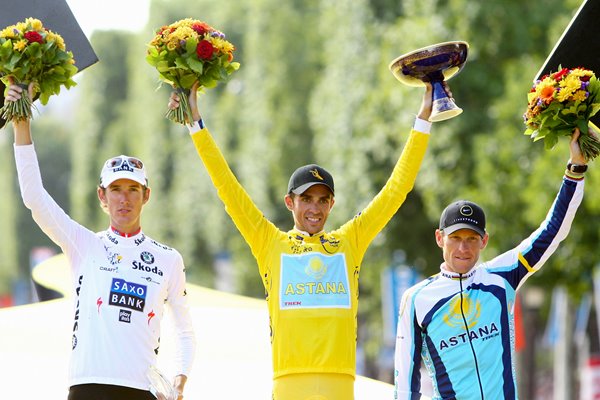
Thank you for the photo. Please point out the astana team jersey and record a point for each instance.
(311, 282)
(456, 346)
(120, 288)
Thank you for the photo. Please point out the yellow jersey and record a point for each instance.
(311, 282)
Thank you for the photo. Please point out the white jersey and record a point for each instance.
(121, 285)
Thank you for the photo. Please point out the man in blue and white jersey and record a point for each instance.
(460, 322)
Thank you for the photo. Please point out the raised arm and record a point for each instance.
(373, 218)
(532, 253)
(55, 223)
(247, 217)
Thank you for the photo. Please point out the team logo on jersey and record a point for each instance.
(112, 238)
(99, 303)
(127, 294)
(125, 316)
(314, 281)
(162, 246)
(316, 268)
(140, 240)
(142, 267)
(114, 258)
(147, 257)
(484, 332)
(150, 316)
(471, 310)
(466, 322)
(76, 318)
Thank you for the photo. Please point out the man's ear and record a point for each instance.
(289, 201)
(484, 241)
(101, 194)
(146, 195)
(439, 238)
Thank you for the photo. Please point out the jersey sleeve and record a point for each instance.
(178, 305)
(255, 228)
(50, 217)
(532, 253)
(365, 226)
(407, 359)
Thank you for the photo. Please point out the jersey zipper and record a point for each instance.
(462, 312)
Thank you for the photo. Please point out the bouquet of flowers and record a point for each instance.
(560, 102)
(31, 53)
(187, 51)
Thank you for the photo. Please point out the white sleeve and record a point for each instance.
(407, 359)
(422, 125)
(184, 329)
(52, 219)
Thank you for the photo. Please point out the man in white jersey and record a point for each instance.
(122, 279)
(460, 322)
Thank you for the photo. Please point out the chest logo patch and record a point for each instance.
(314, 280)
(127, 295)
(470, 308)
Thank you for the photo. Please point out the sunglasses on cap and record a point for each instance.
(133, 162)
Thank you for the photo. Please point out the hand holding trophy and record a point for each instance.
(160, 385)
(434, 64)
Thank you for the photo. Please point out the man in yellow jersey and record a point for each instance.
(311, 276)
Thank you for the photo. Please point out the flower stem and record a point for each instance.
(590, 146)
(19, 110)
(183, 113)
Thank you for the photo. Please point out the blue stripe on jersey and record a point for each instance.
(442, 380)
(443, 383)
(507, 377)
(415, 376)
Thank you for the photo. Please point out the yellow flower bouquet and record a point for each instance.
(31, 53)
(187, 51)
(560, 102)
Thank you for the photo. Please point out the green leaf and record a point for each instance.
(550, 141)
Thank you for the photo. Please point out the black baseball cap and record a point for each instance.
(463, 214)
(307, 176)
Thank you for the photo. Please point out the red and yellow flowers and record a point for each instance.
(560, 102)
(31, 53)
(187, 51)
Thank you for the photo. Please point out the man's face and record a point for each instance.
(311, 208)
(460, 249)
(124, 200)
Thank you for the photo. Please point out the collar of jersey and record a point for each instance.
(122, 240)
(455, 275)
(125, 235)
(308, 234)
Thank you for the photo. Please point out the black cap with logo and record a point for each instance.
(463, 214)
(307, 176)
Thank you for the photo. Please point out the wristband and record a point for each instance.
(196, 126)
(573, 176)
(577, 168)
